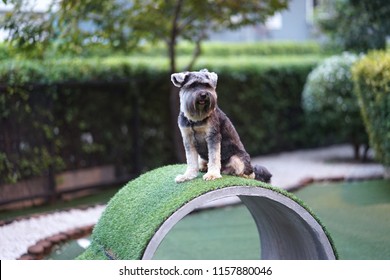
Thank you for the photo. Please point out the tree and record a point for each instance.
(121, 24)
(355, 25)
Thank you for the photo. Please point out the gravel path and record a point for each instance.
(288, 170)
(17, 236)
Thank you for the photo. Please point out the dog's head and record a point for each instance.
(198, 97)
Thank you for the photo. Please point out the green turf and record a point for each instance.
(356, 215)
(136, 212)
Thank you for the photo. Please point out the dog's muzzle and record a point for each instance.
(203, 98)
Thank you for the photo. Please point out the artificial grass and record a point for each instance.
(136, 212)
(356, 214)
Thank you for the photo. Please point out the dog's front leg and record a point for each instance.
(214, 165)
(192, 161)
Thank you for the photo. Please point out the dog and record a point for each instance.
(211, 142)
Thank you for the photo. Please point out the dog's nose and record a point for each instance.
(203, 95)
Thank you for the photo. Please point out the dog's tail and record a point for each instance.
(262, 173)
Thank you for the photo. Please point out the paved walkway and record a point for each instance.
(288, 170)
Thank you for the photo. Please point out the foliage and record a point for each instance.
(124, 25)
(23, 72)
(330, 103)
(218, 49)
(355, 25)
(184, 50)
(16, 108)
(5, 52)
(91, 109)
(372, 86)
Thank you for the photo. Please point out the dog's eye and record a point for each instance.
(198, 84)
(194, 85)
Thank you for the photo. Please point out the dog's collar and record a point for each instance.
(187, 122)
(195, 123)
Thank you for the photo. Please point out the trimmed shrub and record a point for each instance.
(212, 49)
(372, 87)
(184, 48)
(4, 51)
(330, 103)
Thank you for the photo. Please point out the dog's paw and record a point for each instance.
(184, 177)
(209, 176)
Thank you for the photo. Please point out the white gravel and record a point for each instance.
(287, 169)
(17, 236)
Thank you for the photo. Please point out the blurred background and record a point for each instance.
(86, 101)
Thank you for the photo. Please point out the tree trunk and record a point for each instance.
(177, 139)
(174, 92)
(356, 151)
(387, 173)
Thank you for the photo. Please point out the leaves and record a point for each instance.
(73, 25)
(372, 87)
(355, 25)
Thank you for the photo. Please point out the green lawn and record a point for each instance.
(225, 233)
(356, 215)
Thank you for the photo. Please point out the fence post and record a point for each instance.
(52, 194)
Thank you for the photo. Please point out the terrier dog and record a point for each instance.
(210, 140)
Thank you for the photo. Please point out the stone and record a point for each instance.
(57, 238)
(36, 250)
(74, 233)
(26, 257)
(47, 245)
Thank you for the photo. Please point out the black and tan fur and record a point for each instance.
(210, 140)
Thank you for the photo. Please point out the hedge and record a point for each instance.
(212, 49)
(372, 86)
(185, 48)
(74, 113)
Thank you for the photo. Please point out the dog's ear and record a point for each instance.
(213, 78)
(178, 79)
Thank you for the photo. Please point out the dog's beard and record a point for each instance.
(196, 109)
